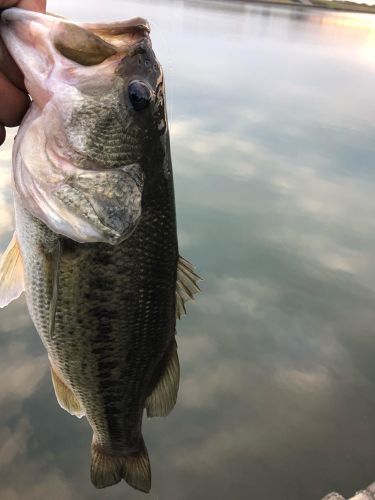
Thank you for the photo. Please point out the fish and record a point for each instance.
(95, 245)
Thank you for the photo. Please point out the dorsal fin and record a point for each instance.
(12, 282)
(186, 285)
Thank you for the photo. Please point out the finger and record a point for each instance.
(7, 3)
(2, 134)
(9, 67)
(36, 5)
(14, 103)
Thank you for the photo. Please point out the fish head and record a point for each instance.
(98, 81)
(98, 106)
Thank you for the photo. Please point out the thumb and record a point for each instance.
(36, 5)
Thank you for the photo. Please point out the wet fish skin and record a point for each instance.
(96, 229)
(104, 343)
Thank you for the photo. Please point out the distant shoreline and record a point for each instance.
(333, 5)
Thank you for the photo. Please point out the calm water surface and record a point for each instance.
(273, 125)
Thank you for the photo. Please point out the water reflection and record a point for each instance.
(272, 134)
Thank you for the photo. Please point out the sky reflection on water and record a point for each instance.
(272, 125)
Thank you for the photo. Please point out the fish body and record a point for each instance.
(96, 231)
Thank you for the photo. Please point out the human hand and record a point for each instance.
(14, 99)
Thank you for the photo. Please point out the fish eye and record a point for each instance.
(139, 94)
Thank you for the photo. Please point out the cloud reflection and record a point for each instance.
(272, 137)
(5, 181)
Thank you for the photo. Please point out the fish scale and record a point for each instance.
(121, 322)
(95, 245)
(105, 129)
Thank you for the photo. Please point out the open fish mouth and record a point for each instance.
(39, 42)
(95, 41)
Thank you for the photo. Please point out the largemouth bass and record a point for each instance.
(95, 243)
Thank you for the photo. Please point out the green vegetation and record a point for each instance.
(345, 6)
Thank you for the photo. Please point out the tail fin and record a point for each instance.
(107, 469)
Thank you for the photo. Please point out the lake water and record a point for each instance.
(272, 115)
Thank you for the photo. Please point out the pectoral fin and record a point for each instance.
(186, 285)
(12, 282)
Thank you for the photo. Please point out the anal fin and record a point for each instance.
(186, 285)
(12, 282)
(65, 396)
(164, 396)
